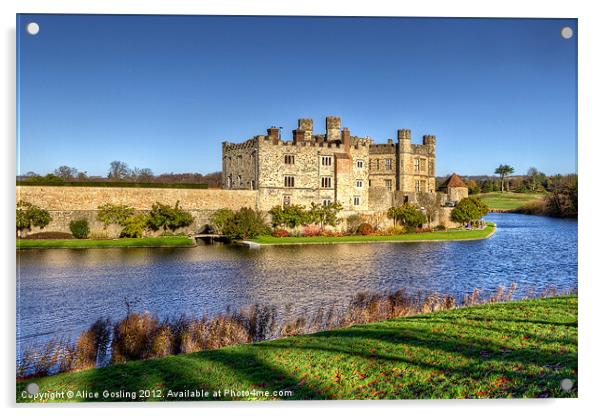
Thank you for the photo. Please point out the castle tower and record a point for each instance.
(333, 128)
(404, 159)
(404, 137)
(429, 141)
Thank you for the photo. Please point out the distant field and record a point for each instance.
(507, 200)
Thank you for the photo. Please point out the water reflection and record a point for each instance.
(60, 292)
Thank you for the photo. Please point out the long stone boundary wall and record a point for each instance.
(67, 203)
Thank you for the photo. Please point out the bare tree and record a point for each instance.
(430, 203)
(142, 175)
(118, 171)
(65, 172)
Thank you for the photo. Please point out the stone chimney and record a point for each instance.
(333, 128)
(274, 134)
(346, 137)
(306, 125)
(298, 136)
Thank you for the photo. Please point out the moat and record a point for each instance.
(61, 292)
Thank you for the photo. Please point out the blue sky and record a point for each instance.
(163, 92)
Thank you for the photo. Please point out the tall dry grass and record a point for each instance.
(142, 336)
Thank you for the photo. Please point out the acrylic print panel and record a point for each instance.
(295, 208)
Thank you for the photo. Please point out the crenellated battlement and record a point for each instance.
(247, 144)
(421, 149)
(383, 148)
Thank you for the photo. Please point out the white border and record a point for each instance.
(589, 149)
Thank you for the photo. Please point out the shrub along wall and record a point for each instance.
(66, 204)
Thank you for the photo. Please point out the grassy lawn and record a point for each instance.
(431, 236)
(515, 349)
(171, 241)
(507, 200)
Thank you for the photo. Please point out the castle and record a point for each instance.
(329, 167)
(265, 171)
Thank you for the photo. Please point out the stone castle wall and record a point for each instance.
(271, 165)
(239, 165)
(69, 203)
(307, 169)
(457, 194)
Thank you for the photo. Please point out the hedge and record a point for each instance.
(107, 184)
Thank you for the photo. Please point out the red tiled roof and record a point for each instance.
(454, 181)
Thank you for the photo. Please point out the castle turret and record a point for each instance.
(429, 141)
(404, 137)
(333, 128)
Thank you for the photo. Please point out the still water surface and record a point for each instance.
(61, 292)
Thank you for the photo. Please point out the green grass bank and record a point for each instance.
(516, 349)
(508, 200)
(450, 235)
(168, 241)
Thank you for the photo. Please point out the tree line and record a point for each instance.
(534, 181)
(119, 171)
(560, 191)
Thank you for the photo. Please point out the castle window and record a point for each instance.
(326, 202)
(326, 181)
(253, 184)
(388, 164)
(356, 200)
(416, 165)
(422, 165)
(289, 159)
(326, 160)
(431, 168)
(360, 164)
(389, 184)
(369, 183)
(286, 200)
(289, 181)
(239, 180)
(416, 186)
(359, 183)
(229, 181)
(423, 186)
